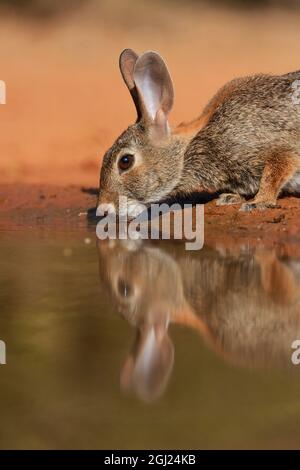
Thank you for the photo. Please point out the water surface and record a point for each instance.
(129, 345)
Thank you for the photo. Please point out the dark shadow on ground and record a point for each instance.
(194, 198)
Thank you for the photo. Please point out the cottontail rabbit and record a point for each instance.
(246, 306)
(245, 144)
(131, 270)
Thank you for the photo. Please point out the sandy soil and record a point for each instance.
(66, 102)
(64, 208)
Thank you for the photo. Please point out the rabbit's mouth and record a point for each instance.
(132, 208)
(126, 207)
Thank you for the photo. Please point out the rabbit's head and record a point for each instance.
(145, 162)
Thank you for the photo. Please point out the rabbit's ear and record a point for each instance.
(155, 89)
(127, 62)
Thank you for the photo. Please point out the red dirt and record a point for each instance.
(57, 208)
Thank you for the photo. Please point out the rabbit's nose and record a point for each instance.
(106, 202)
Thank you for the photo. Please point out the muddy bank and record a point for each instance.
(33, 207)
(57, 208)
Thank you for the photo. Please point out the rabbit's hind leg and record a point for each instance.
(279, 167)
(227, 199)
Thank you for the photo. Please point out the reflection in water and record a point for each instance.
(245, 305)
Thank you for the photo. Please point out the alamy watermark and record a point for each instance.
(296, 92)
(2, 352)
(295, 357)
(152, 222)
(2, 92)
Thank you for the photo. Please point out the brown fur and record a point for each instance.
(246, 143)
(245, 306)
(277, 279)
(279, 168)
(194, 126)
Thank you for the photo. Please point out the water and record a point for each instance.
(129, 346)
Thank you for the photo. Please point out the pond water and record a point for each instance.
(129, 345)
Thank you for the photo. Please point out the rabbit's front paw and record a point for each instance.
(228, 199)
(261, 206)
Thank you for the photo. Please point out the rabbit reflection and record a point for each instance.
(147, 288)
(246, 306)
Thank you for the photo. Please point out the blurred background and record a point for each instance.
(66, 101)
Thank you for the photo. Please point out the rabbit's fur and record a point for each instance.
(244, 303)
(245, 144)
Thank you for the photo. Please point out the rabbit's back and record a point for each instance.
(256, 110)
(246, 119)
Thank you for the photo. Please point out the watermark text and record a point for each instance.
(158, 221)
(2, 92)
(2, 352)
(296, 92)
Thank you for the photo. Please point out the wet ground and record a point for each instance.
(144, 345)
(64, 208)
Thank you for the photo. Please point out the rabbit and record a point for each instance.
(131, 270)
(245, 306)
(245, 146)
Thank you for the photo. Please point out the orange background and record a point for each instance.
(66, 101)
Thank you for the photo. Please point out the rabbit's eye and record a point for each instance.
(124, 288)
(125, 162)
